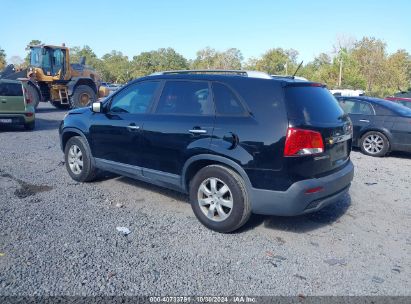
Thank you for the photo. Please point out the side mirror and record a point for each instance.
(97, 107)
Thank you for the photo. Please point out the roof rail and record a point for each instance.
(254, 74)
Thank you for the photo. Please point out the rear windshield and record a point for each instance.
(10, 89)
(312, 105)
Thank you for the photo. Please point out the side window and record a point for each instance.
(135, 98)
(185, 97)
(57, 60)
(356, 107)
(346, 105)
(225, 100)
(363, 108)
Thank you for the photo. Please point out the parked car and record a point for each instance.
(380, 126)
(16, 105)
(347, 92)
(112, 87)
(237, 144)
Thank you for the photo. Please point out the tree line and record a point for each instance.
(353, 64)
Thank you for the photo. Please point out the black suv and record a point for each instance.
(238, 142)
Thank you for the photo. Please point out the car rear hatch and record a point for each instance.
(318, 140)
(11, 97)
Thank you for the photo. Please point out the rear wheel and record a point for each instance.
(219, 198)
(78, 160)
(374, 143)
(30, 126)
(83, 96)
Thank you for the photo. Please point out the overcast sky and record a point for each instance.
(253, 27)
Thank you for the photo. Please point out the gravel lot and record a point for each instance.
(59, 237)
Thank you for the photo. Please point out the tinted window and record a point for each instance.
(405, 103)
(135, 98)
(392, 108)
(351, 106)
(11, 89)
(185, 97)
(225, 100)
(312, 104)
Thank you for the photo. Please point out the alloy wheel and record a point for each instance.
(215, 199)
(373, 144)
(75, 159)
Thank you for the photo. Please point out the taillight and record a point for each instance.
(303, 142)
(27, 96)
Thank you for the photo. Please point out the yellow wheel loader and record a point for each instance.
(52, 77)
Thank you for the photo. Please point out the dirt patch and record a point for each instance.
(27, 189)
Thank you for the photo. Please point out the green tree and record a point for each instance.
(2, 59)
(77, 52)
(209, 58)
(370, 54)
(115, 67)
(276, 61)
(398, 71)
(158, 60)
(205, 59)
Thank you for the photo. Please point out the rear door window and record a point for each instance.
(356, 107)
(312, 104)
(226, 101)
(185, 98)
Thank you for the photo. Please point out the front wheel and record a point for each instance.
(219, 198)
(82, 97)
(374, 143)
(78, 160)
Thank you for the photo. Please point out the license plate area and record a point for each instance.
(339, 151)
(6, 120)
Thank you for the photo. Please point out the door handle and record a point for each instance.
(364, 120)
(197, 131)
(133, 127)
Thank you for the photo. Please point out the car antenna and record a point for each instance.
(299, 66)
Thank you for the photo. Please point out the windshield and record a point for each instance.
(36, 57)
(50, 60)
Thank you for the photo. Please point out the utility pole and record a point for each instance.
(286, 67)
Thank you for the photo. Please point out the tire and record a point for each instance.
(374, 143)
(34, 95)
(60, 106)
(232, 218)
(85, 170)
(82, 97)
(30, 126)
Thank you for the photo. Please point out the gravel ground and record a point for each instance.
(59, 237)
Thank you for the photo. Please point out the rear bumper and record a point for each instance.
(295, 201)
(16, 119)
